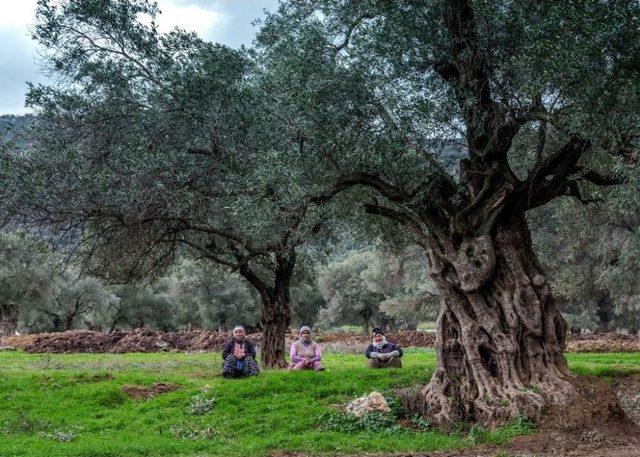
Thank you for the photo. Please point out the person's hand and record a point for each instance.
(384, 356)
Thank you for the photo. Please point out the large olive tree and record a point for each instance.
(149, 145)
(471, 113)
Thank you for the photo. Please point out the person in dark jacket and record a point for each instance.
(239, 356)
(381, 353)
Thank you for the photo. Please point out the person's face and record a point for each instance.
(306, 335)
(378, 337)
(239, 333)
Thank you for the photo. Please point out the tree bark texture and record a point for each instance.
(500, 337)
(275, 319)
(8, 321)
(275, 308)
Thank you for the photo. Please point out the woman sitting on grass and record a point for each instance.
(305, 353)
(381, 353)
(239, 356)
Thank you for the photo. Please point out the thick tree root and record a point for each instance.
(563, 404)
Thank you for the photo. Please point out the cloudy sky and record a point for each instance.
(223, 21)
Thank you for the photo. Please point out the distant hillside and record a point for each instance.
(11, 125)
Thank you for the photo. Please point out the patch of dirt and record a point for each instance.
(603, 342)
(139, 340)
(140, 392)
(572, 432)
(143, 340)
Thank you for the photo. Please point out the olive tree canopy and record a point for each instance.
(454, 118)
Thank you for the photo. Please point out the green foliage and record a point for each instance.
(591, 253)
(373, 285)
(397, 411)
(24, 278)
(420, 423)
(207, 296)
(200, 405)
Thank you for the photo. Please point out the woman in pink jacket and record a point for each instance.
(305, 353)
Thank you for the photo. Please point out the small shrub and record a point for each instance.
(420, 423)
(477, 434)
(341, 422)
(376, 421)
(192, 433)
(397, 410)
(23, 424)
(523, 425)
(62, 436)
(200, 405)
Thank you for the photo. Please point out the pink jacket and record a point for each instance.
(299, 351)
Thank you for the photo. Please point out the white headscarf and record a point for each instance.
(237, 327)
(303, 329)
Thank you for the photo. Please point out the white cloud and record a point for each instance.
(225, 21)
(17, 14)
(188, 16)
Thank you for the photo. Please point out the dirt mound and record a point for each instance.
(140, 392)
(603, 342)
(140, 340)
(143, 340)
(404, 338)
(594, 405)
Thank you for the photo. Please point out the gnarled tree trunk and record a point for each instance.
(276, 315)
(275, 310)
(500, 337)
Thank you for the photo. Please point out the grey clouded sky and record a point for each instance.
(223, 21)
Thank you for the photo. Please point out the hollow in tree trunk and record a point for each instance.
(500, 337)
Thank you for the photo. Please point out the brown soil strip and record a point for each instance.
(140, 392)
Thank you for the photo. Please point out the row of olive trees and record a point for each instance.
(354, 286)
(39, 292)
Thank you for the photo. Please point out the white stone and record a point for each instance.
(375, 401)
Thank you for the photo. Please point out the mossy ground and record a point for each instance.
(73, 405)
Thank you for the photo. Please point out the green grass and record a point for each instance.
(73, 405)
(607, 366)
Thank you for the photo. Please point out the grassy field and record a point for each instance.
(73, 405)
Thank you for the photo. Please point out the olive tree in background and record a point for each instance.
(24, 279)
(592, 252)
(208, 296)
(71, 301)
(371, 287)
